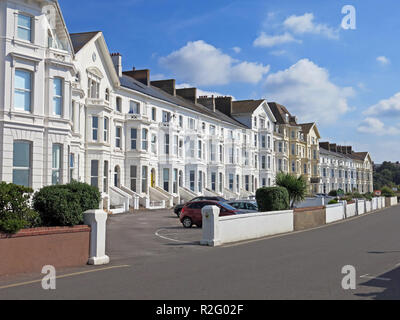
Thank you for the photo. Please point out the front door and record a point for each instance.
(153, 178)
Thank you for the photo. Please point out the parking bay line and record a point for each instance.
(62, 276)
(166, 238)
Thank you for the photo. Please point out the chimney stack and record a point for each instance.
(333, 147)
(324, 145)
(208, 102)
(188, 94)
(142, 76)
(117, 61)
(224, 104)
(167, 86)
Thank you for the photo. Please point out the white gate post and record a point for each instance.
(210, 215)
(96, 219)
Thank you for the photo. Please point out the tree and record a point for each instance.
(296, 187)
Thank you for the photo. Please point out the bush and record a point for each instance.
(333, 201)
(15, 211)
(272, 199)
(64, 205)
(296, 187)
(387, 192)
(333, 193)
(89, 196)
(368, 196)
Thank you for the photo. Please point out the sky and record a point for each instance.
(292, 52)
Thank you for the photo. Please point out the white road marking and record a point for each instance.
(169, 239)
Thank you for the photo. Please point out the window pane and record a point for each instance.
(21, 155)
(57, 87)
(22, 79)
(57, 103)
(56, 156)
(21, 177)
(24, 27)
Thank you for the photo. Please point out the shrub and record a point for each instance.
(89, 196)
(58, 206)
(387, 192)
(368, 196)
(272, 199)
(333, 193)
(296, 187)
(15, 210)
(333, 201)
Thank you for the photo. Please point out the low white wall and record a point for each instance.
(374, 204)
(368, 206)
(383, 200)
(312, 202)
(360, 207)
(393, 201)
(220, 230)
(334, 212)
(379, 201)
(351, 210)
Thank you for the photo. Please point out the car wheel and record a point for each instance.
(187, 222)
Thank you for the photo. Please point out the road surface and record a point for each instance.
(154, 258)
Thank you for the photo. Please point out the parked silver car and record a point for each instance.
(246, 206)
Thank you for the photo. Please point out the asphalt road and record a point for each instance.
(154, 258)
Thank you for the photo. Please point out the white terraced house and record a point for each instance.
(342, 168)
(69, 112)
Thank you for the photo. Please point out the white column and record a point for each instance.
(96, 219)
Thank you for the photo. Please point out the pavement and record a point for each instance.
(153, 257)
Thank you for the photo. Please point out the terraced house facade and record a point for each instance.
(68, 111)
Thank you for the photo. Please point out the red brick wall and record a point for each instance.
(31, 249)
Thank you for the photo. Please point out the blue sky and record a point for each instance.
(292, 52)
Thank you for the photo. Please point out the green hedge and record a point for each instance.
(387, 192)
(272, 199)
(15, 211)
(64, 205)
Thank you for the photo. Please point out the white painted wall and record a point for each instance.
(360, 206)
(393, 201)
(222, 230)
(334, 212)
(351, 210)
(368, 206)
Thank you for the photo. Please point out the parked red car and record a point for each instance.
(191, 212)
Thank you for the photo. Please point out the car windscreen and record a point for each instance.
(226, 206)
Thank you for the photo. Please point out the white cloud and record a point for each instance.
(386, 108)
(305, 24)
(376, 126)
(202, 64)
(383, 60)
(237, 49)
(203, 92)
(307, 91)
(265, 40)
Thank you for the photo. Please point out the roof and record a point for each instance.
(79, 40)
(306, 127)
(359, 155)
(245, 106)
(130, 83)
(279, 112)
